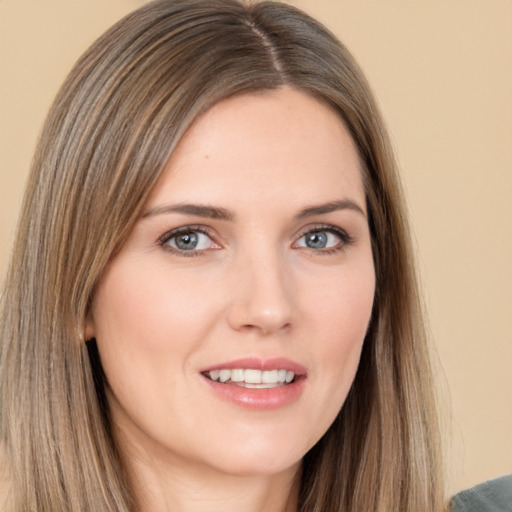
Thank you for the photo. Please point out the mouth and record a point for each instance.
(257, 384)
(252, 378)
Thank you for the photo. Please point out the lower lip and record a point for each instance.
(258, 399)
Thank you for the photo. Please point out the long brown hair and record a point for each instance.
(108, 135)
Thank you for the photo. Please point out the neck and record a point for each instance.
(162, 482)
(160, 487)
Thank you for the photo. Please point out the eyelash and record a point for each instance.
(346, 239)
(166, 237)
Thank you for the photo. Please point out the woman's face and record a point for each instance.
(251, 266)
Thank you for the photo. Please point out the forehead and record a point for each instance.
(262, 146)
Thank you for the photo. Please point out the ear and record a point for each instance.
(90, 331)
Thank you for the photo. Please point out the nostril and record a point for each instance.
(262, 301)
(262, 320)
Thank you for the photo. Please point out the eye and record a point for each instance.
(187, 240)
(326, 239)
(318, 240)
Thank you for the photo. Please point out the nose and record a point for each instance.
(262, 299)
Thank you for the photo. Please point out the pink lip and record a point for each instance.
(259, 399)
(253, 363)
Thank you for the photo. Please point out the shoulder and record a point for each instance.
(492, 496)
(4, 479)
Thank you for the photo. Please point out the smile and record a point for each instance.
(251, 378)
(256, 383)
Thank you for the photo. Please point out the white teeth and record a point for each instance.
(253, 378)
(237, 375)
(225, 375)
(214, 374)
(269, 377)
(259, 386)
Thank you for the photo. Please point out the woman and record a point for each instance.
(212, 302)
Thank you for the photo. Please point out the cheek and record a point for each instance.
(148, 309)
(148, 324)
(342, 306)
(341, 317)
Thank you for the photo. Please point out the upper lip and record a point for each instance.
(254, 363)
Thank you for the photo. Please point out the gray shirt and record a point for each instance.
(492, 496)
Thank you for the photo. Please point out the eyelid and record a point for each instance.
(345, 238)
(168, 235)
(342, 234)
(184, 229)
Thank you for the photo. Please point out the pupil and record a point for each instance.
(187, 241)
(316, 240)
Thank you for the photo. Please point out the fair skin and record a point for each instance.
(270, 269)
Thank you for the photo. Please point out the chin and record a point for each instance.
(262, 466)
(260, 455)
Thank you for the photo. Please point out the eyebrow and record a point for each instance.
(218, 213)
(332, 206)
(212, 212)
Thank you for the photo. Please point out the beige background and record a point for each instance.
(442, 71)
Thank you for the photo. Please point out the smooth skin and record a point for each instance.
(278, 264)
